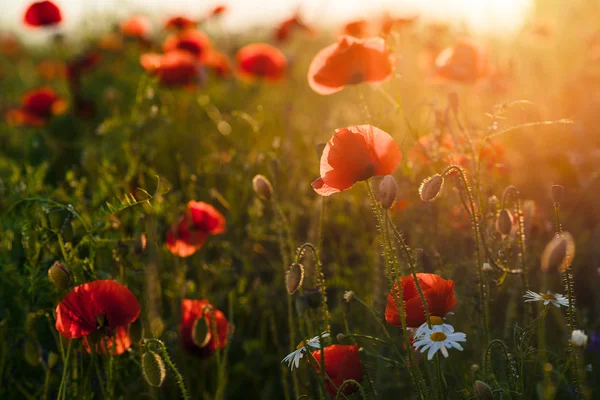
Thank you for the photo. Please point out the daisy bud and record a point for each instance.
(153, 368)
(504, 222)
(294, 278)
(59, 275)
(200, 332)
(559, 253)
(52, 359)
(262, 187)
(31, 352)
(482, 391)
(579, 338)
(557, 193)
(431, 187)
(387, 191)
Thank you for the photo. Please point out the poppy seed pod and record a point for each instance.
(504, 222)
(200, 332)
(59, 275)
(294, 278)
(558, 253)
(262, 187)
(431, 187)
(153, 368)
(387, 191)
(482, 391)
(557, 193)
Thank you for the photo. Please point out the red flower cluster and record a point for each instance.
(190, 40)
(42, 13)
(465, 62)
(262, 61)
(341, 363)
(355, 154)
(192, 310)
(175, 68)
(180, 23)
(199, 222)
(438, 292)
(350, 61)
(37, 108)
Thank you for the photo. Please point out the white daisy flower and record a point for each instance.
(554, 298)
(438, 340)
(293, 359)
(437, 325)
(579, 338)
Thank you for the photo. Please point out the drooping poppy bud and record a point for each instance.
(153, 368)
(431, 187)
(294, 278)
(59, 275)
(558, 253)
(482, 391)
(504, 223)
(387, 191)
(262, 186)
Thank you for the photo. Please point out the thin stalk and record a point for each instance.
(172, 367)
(321, 281)
(63, 381)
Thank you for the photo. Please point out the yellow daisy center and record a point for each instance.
(301, 345)
(549, 296)
(436, 320)
(438, 336)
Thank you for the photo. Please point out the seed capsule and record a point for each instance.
(559, 253)
(483, 391)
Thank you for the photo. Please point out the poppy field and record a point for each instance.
(396, 207)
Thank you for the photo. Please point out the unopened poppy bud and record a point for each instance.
(59, 275)
(504, 222)
(319, 147)
(387, 191)
(200, 332)
(559, 253)
(31, 352)
(431, 187)
(294, 278)
(153, 368)
(482, 391)
(557, 192)
(52, 359)
(262, 187)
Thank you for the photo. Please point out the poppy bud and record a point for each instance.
(482, 391)
(301, 304)
(153, 368)
(387, 191)
(557, 193)
(59, 275)
(52, 359)
(559, 253)
(504, 222)
(56, 218)
(262, 187)
(201, 332)
(340, 337)
(294, 278)
(31, 352)
(431, 187)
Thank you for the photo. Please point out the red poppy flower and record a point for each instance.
(260, 60)
(190, 233)
(438, 292)
(180, 23)
(350, 61)
(358, 28)
(465, 62)
(42, 13)
(219, 63)
(117, 342)
(218, 10)
(37, 107)
(341, 363)
(284, 29)
(95, 305)
(138, 26)
(355, 154)
(192, 310)
(176, 68)
(192, 41)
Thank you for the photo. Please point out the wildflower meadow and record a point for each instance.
(394, 208)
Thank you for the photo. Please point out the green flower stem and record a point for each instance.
(321, 278)
(172, 367)
(475, 226)
(63, 382)
(346, 383)
(487, 370)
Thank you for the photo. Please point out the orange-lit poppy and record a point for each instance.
(358, 28)
(285, 28)
(192, 41)
(389, 23)
(191, 311)
(180, 23)
(42, 13)
(219, 63)
(465, 62)
(37, 107)
(137, 26)
(438, 292)
(350, 61)
(356, 154)
(175, 68)
(97, 305)
(116, 342)
(341, 363)
(260, 60)
(191, 231)
(218, 10)
(50, 70)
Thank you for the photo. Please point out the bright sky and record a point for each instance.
(480, 15)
